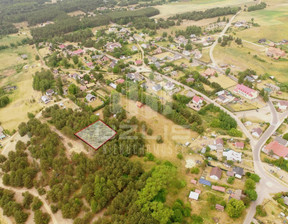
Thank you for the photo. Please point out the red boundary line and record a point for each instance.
(76, 134)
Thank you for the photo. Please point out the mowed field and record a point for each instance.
(171, 9)
(273, 22)
(24, 99)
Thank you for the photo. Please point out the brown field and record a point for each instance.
(24, 99)
(170, 132)
(273, 211)
(224, 81)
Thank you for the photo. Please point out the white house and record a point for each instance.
(282, 105)
(113, 85)
(232, 155)
(193, 195)
(45, 99)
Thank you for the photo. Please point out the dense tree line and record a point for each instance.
(262, 5)
(67, 24)
(209, 13)
(7, 28)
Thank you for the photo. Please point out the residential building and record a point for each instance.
(134, 48)
(274, 52)
(77, 52)
(193, 195)
(209, 72)
(113, 85)
(49, 92)
(189, 80)
(193, 181)
(111, 46)
(216, 173)
(237, 194)
(197, 100)
(281, 141)
(89, 97)
(277, 150)
(219, 141)
(231, 155)
(239, 145)
(139, 104)
(169, 85)
(45, 99)
(138, 62)
(2, 135)
(238, 172)
(246, 91)
(282, 105)
(257, 132)
(218, 188)
(219, 207)
(157, 87)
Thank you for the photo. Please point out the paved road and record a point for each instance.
(268, 183)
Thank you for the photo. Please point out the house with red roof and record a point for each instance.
(218, 188)
(282, 105)
(62, 46)
(274, 52)
(277, 150)
(120, 81)
(138, 62)
(239, 145)
(246, 91)
(197, 100)
(209, 72)
(77, 52)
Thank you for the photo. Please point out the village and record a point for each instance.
(224, 127)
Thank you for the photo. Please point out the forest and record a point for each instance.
(209, 13)
(65, 24)
(108, 179)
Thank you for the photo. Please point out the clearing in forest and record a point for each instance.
(96, 134)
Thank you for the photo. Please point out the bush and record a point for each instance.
(195, 170)
(149, 131)
(231, 180)
(260, 211)
(180, 156)
(159, 139)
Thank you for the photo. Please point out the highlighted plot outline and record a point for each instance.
(96, 134)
